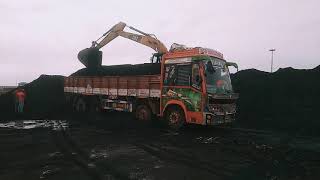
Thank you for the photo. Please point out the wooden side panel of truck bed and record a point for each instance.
(139, 86)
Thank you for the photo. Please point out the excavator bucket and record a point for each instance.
(90, 57)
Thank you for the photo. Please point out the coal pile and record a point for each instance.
(286, 100)
(121, 70)
(44, 98)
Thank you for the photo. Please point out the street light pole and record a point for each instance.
(272, 50)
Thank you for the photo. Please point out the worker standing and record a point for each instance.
(20, 96)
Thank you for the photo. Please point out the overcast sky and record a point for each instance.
(43, 37)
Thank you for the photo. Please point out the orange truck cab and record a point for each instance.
(197, 81)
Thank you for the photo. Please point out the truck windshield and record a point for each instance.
(217, 76)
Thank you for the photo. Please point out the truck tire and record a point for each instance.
(95, 105)
(175, 117)
(80, 105)
(143, 113)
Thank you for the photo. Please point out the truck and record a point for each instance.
(181, 86)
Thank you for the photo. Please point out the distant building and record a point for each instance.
(5, 89)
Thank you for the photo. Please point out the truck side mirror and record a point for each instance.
(235, 65)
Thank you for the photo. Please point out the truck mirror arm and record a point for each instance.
(235, 65)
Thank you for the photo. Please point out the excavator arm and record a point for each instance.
(90, 56)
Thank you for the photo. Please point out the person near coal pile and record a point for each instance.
(20, 96)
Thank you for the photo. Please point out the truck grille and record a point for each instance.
(222, 109)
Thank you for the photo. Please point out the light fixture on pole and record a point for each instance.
(272, 50)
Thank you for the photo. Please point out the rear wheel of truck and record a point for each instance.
(175, 117)
(143, 113)
(80, 105)
(95, 105)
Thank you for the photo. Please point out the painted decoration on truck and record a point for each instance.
(190, 98)
(81, 89)
(89, 89)
(104, 91)
(155, 92)
(68, 89)
(122, 92)
(143, 92)
(178, 60)
(75, 90)
(132, 92)
(113, 92)
(96, 91)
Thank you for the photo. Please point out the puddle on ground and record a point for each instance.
(96, 154)
(31, 124)
(49, 171)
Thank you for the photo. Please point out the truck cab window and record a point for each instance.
(177, 75)
(184, 75)
(170, 75)
(196, 78)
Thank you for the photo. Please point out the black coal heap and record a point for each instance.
(44, 98)
(286, 100)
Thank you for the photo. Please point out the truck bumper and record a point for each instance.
(214, 119)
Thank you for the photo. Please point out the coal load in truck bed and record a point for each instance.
(287, 99)
(121, 70)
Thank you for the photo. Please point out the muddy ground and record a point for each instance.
(60, 145)
(104, 147)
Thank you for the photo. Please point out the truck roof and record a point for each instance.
(189, 52)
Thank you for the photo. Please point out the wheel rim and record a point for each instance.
(80, 106)
(174, 117)
(142, 114)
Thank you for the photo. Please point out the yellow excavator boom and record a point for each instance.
(90, 54)
(144, 38)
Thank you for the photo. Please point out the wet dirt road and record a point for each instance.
(106, 147)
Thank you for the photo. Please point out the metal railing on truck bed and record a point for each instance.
(139, 86)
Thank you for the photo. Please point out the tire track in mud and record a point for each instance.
(266, 158)
(175, 148)
(178, 153)
(72, 152)
(175, 157)
(12, 160)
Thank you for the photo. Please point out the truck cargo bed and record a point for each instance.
(140, 80)
(137, 86)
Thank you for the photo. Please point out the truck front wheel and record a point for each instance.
(175, 117)
(143, 113)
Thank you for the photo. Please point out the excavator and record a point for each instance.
(92, 57)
